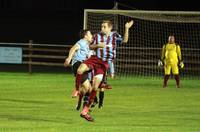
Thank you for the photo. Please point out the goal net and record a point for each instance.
(151, 29)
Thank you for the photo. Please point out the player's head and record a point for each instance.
(106, 26)
(171, 39)
(87, 35)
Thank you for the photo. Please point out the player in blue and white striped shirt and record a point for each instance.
(111, 39)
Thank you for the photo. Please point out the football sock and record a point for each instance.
(166, 78)
(95, 99)
(78, 80)
(91, 97)
(177, 78)
(101, 97)
(79, 101)
(86, 97)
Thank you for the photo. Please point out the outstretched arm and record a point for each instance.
(71, 54)
(126, 32)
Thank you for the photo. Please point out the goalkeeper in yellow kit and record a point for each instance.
(172, 59)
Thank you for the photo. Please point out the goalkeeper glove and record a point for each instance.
(160, 63)
(181, 64)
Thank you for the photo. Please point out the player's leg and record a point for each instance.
(74, 69)
(167, 69)
(85, 66)
(175, 72)
(85, 88)
(86, 96)
(101, 97)
(82, 69)
(78, 106)
(95, 102)
(96, 82)
(111, 74)
(100, 68)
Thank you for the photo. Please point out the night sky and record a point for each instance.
(59, 21)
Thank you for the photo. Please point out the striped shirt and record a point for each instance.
(108, 53)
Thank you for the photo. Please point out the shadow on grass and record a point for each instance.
(26, 101)
(36, 119)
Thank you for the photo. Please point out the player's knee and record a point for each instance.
(97, 80)
(112, 76)
(82, 68)
(101, 89)
(87, 86)
(82, 90)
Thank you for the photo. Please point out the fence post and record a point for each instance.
(30, 56)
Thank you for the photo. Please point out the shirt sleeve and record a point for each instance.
(95, 39)
(163, 53)
(119, 38)
(80, 43)
(178, 50)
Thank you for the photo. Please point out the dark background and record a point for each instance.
(59, 21)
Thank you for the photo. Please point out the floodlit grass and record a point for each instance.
(43, 103)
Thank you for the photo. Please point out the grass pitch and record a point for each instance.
(43, 103)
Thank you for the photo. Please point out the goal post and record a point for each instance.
(150, 31)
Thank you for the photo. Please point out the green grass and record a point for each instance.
(43, 103)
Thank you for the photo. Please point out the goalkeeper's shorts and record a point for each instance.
(171, 67)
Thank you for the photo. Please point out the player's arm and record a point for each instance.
(181, 64)
(96, 46)
(128, 25)
(163, 53)
(161, 60)
(71, 54)
(179, 53)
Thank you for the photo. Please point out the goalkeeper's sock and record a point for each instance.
(78, 81)
(101, 98)
(166, 78)
(177, 78)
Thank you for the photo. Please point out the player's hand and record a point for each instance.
(67, 62)
(181, 64)
(160, 63)
(101, 45)
(129, 24)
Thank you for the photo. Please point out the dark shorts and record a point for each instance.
(96, 64)
(75, 68)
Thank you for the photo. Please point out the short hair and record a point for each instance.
(171, 34)
(83, 32)
(110, 24)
